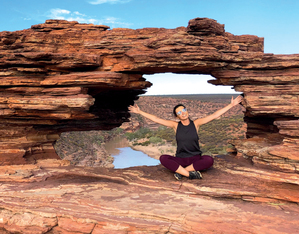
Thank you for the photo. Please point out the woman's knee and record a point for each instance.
(204, 163)
(209, 161)
(208, 158)
(169, 162)
(164, 157)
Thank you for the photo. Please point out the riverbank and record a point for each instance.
(155, 150)
(125, 156)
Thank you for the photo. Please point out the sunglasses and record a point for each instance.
(180, 112)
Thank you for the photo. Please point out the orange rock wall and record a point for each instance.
(62, 76)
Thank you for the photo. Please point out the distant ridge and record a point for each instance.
(218, 97)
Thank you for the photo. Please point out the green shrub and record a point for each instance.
(130, 136)
(165, 133)
(139, 134)
(155, 140)
(146, 143)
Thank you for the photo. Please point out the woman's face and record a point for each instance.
(182, 113)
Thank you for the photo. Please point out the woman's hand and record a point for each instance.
(134, 109)
(236, 101)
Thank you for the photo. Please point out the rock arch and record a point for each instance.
(62, 76)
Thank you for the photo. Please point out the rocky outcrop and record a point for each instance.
(271, 99)
(63, 76)
(53, 197)
(51, 82)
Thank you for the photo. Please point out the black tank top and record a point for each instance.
(187, 141)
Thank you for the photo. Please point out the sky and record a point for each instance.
(275, 20)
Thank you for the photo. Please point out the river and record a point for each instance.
(124, 156)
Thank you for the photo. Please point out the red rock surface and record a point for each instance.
(234, 197)
(61, 76)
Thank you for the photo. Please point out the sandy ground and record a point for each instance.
(155, 151)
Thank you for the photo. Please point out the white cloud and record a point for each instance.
(78, 13)
(58, 13)
(82, 18)
(112, 21)
(71, 16)
(97, 2)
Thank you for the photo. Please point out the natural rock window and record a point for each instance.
(62, 76)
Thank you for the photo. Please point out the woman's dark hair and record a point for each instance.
(178, 105)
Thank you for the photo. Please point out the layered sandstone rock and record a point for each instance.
(63, 76)
(271, 100)
(53, 197)
(51, 84)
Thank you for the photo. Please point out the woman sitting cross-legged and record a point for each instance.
(188, 160)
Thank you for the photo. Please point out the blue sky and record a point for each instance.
(275, 20)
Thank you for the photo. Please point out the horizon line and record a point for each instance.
(192, 94)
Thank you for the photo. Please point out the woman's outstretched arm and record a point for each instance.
(168, 123)
(218, 113)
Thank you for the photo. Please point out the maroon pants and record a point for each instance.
(199, 162)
